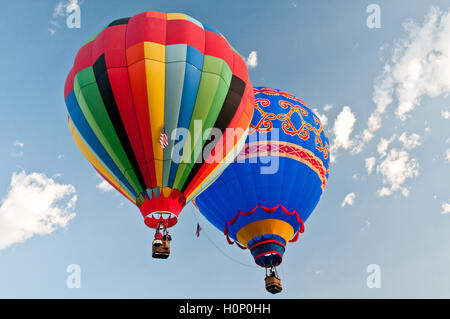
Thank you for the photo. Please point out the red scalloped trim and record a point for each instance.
(173, 204)
(269, 211)
(300, 231)
(235, 242)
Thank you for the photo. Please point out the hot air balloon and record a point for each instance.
(134, 86)
(262, 200)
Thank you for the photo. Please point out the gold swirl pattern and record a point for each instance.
(265, 124)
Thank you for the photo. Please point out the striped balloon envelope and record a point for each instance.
(262, 200)
(139, 83)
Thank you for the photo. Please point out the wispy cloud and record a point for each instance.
(445, 114)
(422, 61)
(17, 148)
(365, 227)
(349, 200)
(370, 164)
(322, 117)
(410, 141)
(104, 186)
(383, 145)
(327, 107)
(418, 67)
(18, 144)
(342, 129)
(252, 60)
(445, 208)
(35, 205)
(427, 127)
(395, 169)
(60, 11)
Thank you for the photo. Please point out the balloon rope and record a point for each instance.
(214, 244)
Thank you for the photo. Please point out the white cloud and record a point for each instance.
(445, 208)
(445, 114)
(424, 66)
(322, 117)
(411, 141)
(18, 148)
(35, 205)
(370, 164)
(382, 97)
(365, 227)
(418, 67)
(60, 11)
(383, 145)
(18, 144)
(342, 129)
(427, 127)
(447, 155)
(395, 169)
(52, 31)
(104, 186)
(422, 61)
(349, 200)
(252, 60)
(327, 107)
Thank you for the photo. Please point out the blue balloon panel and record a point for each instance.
(263, 198)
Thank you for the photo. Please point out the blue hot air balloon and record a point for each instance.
(263, 198)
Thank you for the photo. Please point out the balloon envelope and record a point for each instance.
(136, 82)
(262, 199)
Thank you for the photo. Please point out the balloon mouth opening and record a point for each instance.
(154, 219)
(268, 251)
(269, 260)
(161, 209)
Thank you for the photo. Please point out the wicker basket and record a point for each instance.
(162, 251)
(273, 284)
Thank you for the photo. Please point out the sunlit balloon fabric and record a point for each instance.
(262, 205)
(149, 74)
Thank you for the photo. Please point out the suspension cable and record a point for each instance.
(218, 248)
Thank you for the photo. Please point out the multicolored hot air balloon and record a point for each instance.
(262, 200)
(148, 75)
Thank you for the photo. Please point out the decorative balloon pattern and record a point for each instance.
(264, 212)
(154, 73)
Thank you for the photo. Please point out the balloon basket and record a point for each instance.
(161, 243)
(161, 250)
(273, 283)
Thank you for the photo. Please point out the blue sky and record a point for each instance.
(386, 203)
